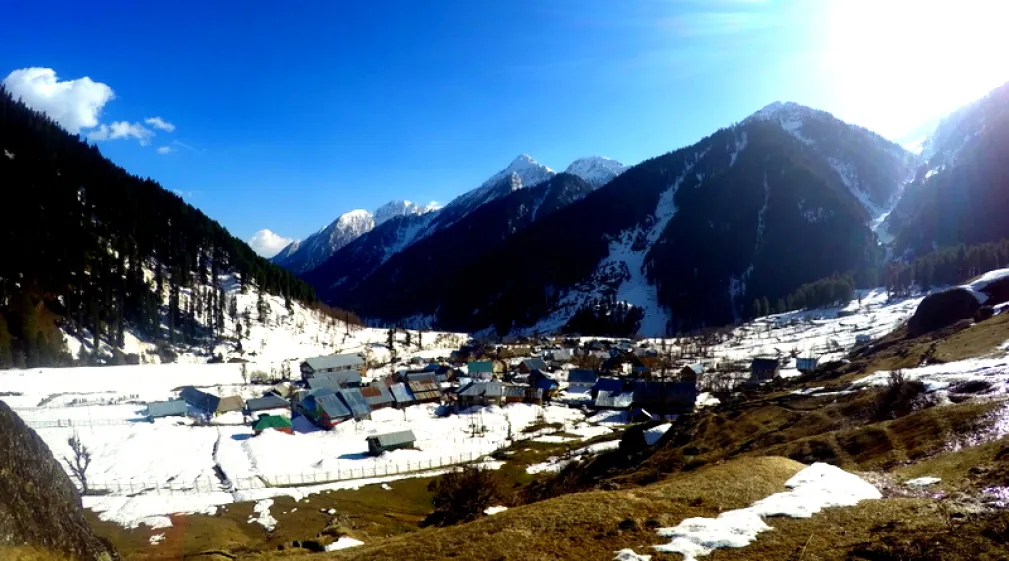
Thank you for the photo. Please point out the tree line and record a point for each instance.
(87, 246)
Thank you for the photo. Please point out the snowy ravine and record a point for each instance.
(813, 489)
(623, 270)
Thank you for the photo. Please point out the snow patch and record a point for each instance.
(262, 515)
(654, 434)
(813, 489)
(492, 510)
(923, 481)
(344, 543)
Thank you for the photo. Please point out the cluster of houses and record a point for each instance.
(332, 389)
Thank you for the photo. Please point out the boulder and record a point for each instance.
(943, 309)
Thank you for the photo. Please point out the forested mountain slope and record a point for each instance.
(961, 194)
(89, 246)
(689, 238)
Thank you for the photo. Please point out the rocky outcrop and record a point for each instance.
(39, 506)
(942, 309)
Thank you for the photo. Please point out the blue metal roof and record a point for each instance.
(609, 384)
(614, 400)
(534, 364)
(331, 405)
(356, 402)
(483, 367)
(334, 380)
(401, 393)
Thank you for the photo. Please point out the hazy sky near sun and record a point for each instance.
(285, 116)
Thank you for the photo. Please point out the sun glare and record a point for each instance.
(893, 61)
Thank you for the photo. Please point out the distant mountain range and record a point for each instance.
(691, 238)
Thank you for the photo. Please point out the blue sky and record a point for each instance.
(286, 116)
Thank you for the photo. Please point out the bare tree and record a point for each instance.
(81, 461)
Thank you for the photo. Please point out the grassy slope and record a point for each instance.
(589, 525)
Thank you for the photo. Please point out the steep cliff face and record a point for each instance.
(39, 506)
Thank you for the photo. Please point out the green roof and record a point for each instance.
(481, 367)
(271, 422)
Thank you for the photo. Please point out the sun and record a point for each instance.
(895, 63)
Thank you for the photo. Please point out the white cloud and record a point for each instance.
(268, 244)
(160, 124)
(74, 104)
(122, 129)
(165, 150)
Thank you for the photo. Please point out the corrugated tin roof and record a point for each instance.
(376, 394)
(335, 361)
(806, 363)
(480, 389)
(483, 366)
(394, 438)
(516, 391)
(582, 376)
(230, 403)
(200, 399)
(170, 408)
(268, 401)
(332, 405)
(356, 402)
(401, 393)
(614, 400)
(334, 380)
(534, 364)
(763, 362)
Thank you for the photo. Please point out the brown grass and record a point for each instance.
(29, 554)
(588, 525)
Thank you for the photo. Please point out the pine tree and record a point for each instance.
(765, 305)
(6, 357)
(758, 308)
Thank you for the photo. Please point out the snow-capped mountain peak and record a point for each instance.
(596, 170)
(393, 209)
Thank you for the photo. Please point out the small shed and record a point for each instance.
(265, 403)
(764, 368)
(381, 443)
(805, 365)
(272, 422)
(171, 408)
(581, 378)
(230, 404)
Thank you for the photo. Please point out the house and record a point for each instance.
(171, 408)
(355, 401)
(272, 422)
(539, 380)
(332, 363)
(377, 395)
(582, 379)
(283, 389)
(528, 365)
(614, 385)
(210, 404)
(691, 372)
(425, 389)
(382, 443)
(481, 370)
(805, 365)
(764, 368)
(518, 393)
(325, 408)
(624, 363)
(266, 403)
(664, 397)
(401, 396)
(862, 339)
(334, 380)
(478, 393)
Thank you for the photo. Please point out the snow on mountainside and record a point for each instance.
(392, 209)
(318, 247)
(878, 196)
(596, 170)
